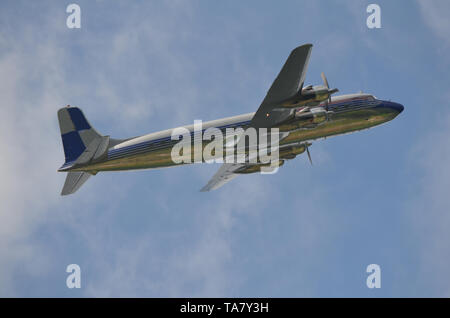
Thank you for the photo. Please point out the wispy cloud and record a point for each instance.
(37, 78)
(429, 207)
(435, 15)
(140, 68)
(31, 86)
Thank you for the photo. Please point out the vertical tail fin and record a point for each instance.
(82, 143)
(76, 133)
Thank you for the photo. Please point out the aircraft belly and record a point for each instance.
(341, 123)
(153, 159)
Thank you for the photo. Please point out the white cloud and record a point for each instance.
(428, 211)
(436, 15)
(34, 83)
(31, 88)
(430, 205)
(152, 265)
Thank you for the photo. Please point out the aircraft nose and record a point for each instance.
(396, 106)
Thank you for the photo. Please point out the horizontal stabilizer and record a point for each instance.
(74, 181)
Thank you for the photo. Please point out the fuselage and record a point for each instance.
(349, 113)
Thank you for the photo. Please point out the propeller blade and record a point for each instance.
(309, 155)
(330, 91)
(324, 79)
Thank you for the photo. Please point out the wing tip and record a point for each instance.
(303, 46)
(206, 188)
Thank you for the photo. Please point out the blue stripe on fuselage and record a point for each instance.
(126, 149)
(121, 152)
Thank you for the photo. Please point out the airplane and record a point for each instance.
(301, 113)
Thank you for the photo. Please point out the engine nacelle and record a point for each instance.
(310, 95)
(292, 152)
(312, 116)
(257, 167)
(316, 93)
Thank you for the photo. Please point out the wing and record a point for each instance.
(287, 85)
(228, 171)
(222, 176)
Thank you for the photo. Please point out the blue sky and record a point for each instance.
(377, 196)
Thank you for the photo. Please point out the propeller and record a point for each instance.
(307, 151)
(325, 81)
(330, 91)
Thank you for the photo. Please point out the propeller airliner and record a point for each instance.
(301, 113)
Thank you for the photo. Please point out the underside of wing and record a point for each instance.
(286, 86)
(222, 176)
(228, 171)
